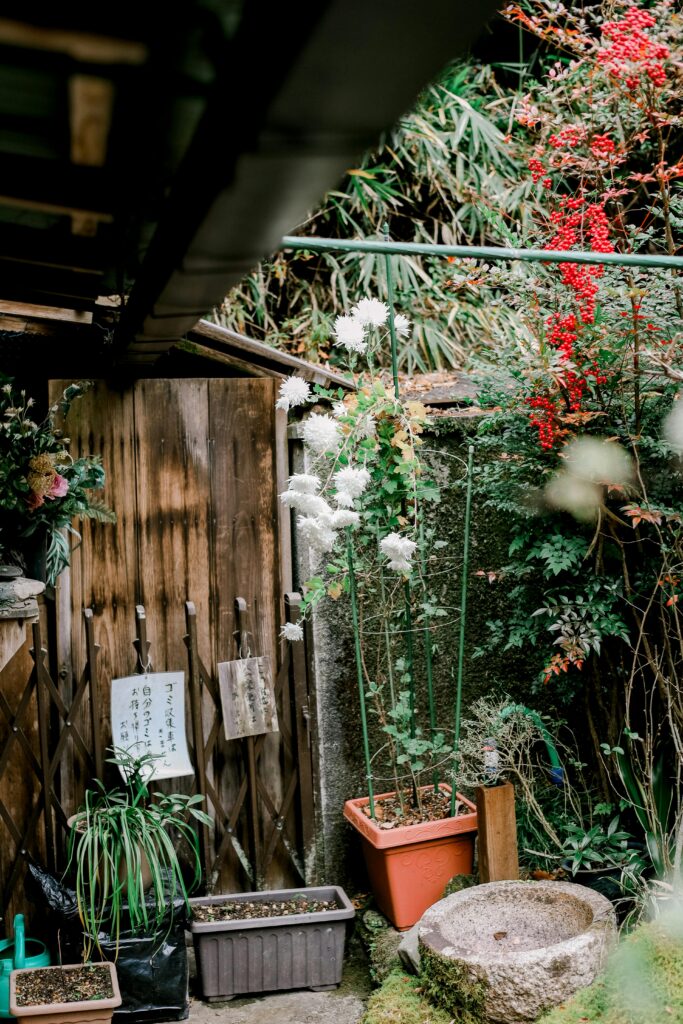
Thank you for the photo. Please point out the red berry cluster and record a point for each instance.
(571, 136)
(562, 332)
(630, 53)
(602, 146)
(537, 169)
(573, 221)
(544, 418)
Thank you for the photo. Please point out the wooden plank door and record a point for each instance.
(193, 473)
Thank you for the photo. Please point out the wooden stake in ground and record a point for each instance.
(497, 830)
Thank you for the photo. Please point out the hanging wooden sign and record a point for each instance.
(248, 697)
(148, 717)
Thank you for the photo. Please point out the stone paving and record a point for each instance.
(344, 1005)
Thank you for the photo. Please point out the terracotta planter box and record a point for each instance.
(272, 954)
(91, 1011)
(410, 866)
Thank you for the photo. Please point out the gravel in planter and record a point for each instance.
(71, 985)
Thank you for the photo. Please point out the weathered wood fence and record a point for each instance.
(47, 735)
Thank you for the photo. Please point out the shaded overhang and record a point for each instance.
(158, 153)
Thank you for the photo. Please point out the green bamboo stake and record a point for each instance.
(407, 614)
(392, 324)
(463, 611)
(359, 670)
(429, 656)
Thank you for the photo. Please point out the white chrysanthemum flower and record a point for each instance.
(350, 333)
(292, 631)
(340, 409)
(399, 550)
(350, 480)
(309, 504)
(402, 325)
(320, 537)
(293, 391)
(304, 483)
(344, 499)
(366, 427)
(343, 517)
(322, 433)
(370, 311)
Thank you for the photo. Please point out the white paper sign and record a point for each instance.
(148, 717)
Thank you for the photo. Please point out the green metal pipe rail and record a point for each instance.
(481, 252)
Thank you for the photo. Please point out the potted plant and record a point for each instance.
(42, 488)
(127, 869)
(125, 851)
(362, 511)
(273, 941)
(69, 994)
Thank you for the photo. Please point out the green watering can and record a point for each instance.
(17, 953)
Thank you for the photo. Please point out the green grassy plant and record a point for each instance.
(114, 837)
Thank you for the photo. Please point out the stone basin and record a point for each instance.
(507, 951)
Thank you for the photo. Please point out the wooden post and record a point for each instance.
(198, 732)
(92, 650)
(242, 641)
(303, 739)
(497, 833)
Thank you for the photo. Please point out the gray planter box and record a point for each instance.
(271, 954)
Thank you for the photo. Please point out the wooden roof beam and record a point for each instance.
(85, 47)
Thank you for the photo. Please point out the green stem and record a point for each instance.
(463, 610)
(359, 669)
(428, 655)
(392, 315)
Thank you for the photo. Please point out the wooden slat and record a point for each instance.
(27, 309)
(173, 512)
(497, 830)
(12, 637)
(82, 46)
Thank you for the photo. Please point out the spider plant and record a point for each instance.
(121, 834)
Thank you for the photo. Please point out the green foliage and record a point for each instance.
(400, 1000)
(643, 983)
(121, 832)
(596, 847)
(447, 173)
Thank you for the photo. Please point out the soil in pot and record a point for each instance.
(238, 910)
(75, 985)
(392, 811)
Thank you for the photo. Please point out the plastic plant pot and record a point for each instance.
(272, 954)
(410, 866)
(90, 1011)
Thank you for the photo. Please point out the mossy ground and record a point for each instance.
(643, 983)
(400, 1001)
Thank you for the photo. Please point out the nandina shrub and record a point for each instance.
(596, 557)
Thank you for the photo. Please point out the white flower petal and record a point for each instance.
(293, 391)
(350, 333)
(292, 631)
(402, 325)
(322, 433)
(371, 311)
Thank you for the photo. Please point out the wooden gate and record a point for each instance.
(194, 468)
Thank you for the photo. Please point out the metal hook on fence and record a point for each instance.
(241, 634)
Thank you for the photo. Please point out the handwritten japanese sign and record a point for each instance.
(247, 697)
(148, 717)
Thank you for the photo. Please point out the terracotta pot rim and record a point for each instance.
(42, 1009)
(406, 834)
